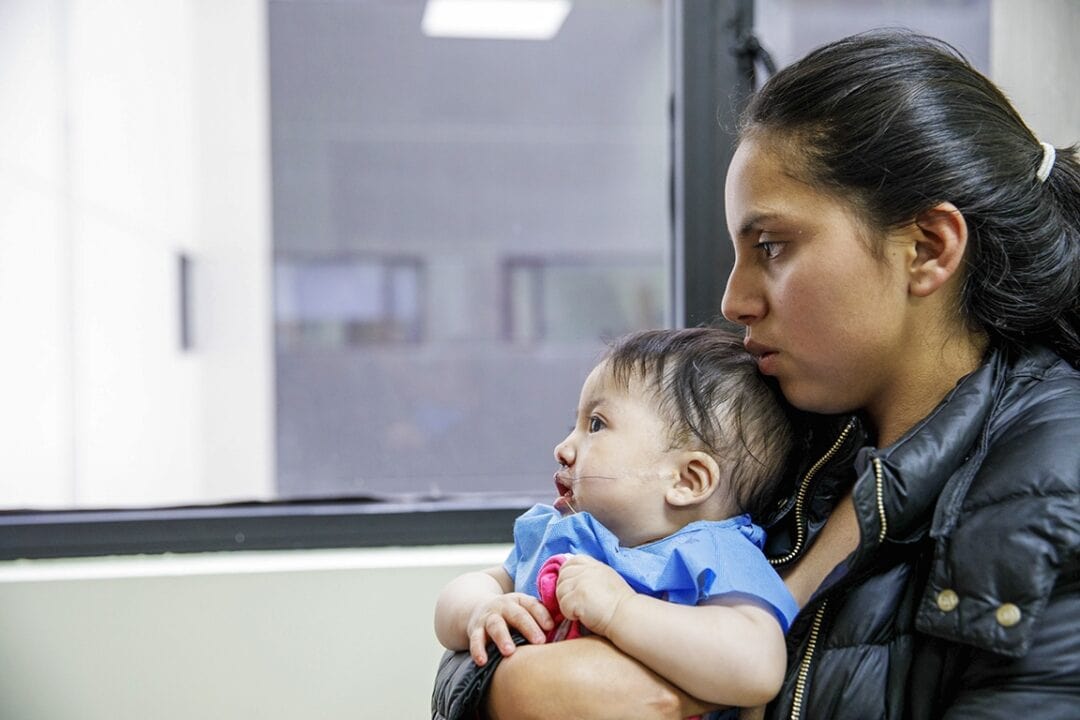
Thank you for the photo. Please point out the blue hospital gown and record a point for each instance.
(705, 559)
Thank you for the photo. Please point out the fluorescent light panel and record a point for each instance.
(502, 19)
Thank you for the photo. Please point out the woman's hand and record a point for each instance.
(494, 618)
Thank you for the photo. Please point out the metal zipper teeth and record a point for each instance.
(879, 483)
(800, 497)
(804, 665)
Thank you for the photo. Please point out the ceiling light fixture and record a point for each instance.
(501, 19)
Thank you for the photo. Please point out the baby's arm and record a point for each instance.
(480, 605)
(729, 652)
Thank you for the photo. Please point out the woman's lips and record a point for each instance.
(766, 363)
(764, 355)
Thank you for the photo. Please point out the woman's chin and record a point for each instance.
(815, 398)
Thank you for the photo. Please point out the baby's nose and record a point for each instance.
(564, 453)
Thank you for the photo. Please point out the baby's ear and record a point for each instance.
(698, 478)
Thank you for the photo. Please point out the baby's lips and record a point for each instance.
(562, 486)
(564, 492)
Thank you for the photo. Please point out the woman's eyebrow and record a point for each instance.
(753, 221)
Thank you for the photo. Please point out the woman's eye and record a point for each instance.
(595, 424)
(768, 248)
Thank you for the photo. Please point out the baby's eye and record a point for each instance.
(596, 424)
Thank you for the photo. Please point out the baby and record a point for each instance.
(677, 442)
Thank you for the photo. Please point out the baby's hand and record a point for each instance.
(589, 591)
(495, 617)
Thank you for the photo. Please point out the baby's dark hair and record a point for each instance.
(707, 385)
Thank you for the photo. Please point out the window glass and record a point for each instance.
(791, 28)
(460, 224)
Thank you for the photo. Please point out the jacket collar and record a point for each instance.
(898, 486)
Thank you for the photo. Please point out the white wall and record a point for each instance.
(343, 634)
(1035, 59)
(133, 132)
(35, 285)
(128, 131)
(233, 296)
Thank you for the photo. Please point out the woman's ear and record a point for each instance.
(698, 478)
(940, 235)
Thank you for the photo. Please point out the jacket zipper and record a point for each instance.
(804, 665)
(879, 482)
(819, 616)
(800, 497)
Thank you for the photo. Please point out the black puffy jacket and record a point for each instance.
(963, 599)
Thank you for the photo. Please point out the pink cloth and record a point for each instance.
(546, 580)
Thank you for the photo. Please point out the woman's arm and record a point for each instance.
(1045, 682)
(587, 678)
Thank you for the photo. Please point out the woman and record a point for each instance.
(908, 260)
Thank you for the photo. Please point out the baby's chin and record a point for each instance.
(563, 505)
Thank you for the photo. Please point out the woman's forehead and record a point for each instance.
(769, 168)
(766, 184)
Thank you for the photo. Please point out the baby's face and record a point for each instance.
(616, 460)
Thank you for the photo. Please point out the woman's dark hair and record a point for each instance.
(708, 387)
(896, 123)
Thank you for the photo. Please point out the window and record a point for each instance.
(476, 217)
(297, 274)
(791, 28)
(276, 262)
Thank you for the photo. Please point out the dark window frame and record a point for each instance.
(713, 76)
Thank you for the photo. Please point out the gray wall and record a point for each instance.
(320, 634)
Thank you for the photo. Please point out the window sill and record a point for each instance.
(257, 526)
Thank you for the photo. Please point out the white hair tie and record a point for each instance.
(1049, 155)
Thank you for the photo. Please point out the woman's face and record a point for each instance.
(824, 316)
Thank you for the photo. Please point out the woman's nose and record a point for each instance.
(564, 452)
(742, 303)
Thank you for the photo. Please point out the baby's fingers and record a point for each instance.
(540, 616)
(497, 630)
(478, 646)
(522, 617)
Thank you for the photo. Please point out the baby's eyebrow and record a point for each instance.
(596, 403)
(592, 404)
